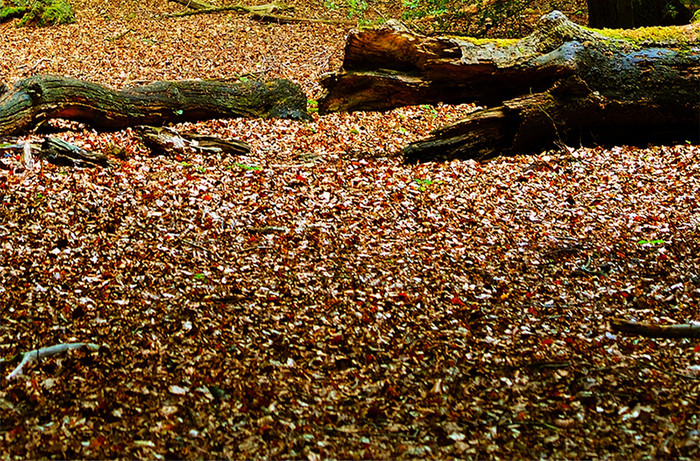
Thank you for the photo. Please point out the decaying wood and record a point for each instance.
(268, 9)
(562, 84)
(194, 4)
(56, 151)
(649, 330)
(269, 12)
(166, 140)
(60, 152)
(50, 351)
(33, 101)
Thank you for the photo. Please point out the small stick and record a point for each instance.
(37, 354)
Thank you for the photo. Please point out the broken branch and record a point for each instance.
(687, 330)
(265, 13)
(50, 351)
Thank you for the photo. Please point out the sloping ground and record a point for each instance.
(321, 299)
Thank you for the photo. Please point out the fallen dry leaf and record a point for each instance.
(319, 298)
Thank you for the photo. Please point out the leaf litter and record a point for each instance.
(319, 298)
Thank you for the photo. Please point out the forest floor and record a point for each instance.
(319, 298)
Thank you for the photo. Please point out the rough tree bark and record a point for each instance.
(562, 84)
(33, 101)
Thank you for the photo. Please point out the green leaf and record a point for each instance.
(247, 167)
(312, 105)
(652, 242)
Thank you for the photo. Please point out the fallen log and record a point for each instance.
(687, 330)
(269, 12)
(194, 4)
(563, 84)
(199, 7)
(35, 100)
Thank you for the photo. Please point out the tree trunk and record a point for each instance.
(32, 101)
(561, 84)
(627, 14)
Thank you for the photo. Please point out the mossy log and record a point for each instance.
(562, 84)
(41, 13)
(34, 100)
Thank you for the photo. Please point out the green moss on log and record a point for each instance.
(681, 36)
(496, 41)
(38, 13)
(15, 9)
(696, 18)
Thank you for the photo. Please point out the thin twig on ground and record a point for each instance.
(50, 351)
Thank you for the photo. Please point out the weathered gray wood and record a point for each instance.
(166, 140)
(60, 152)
